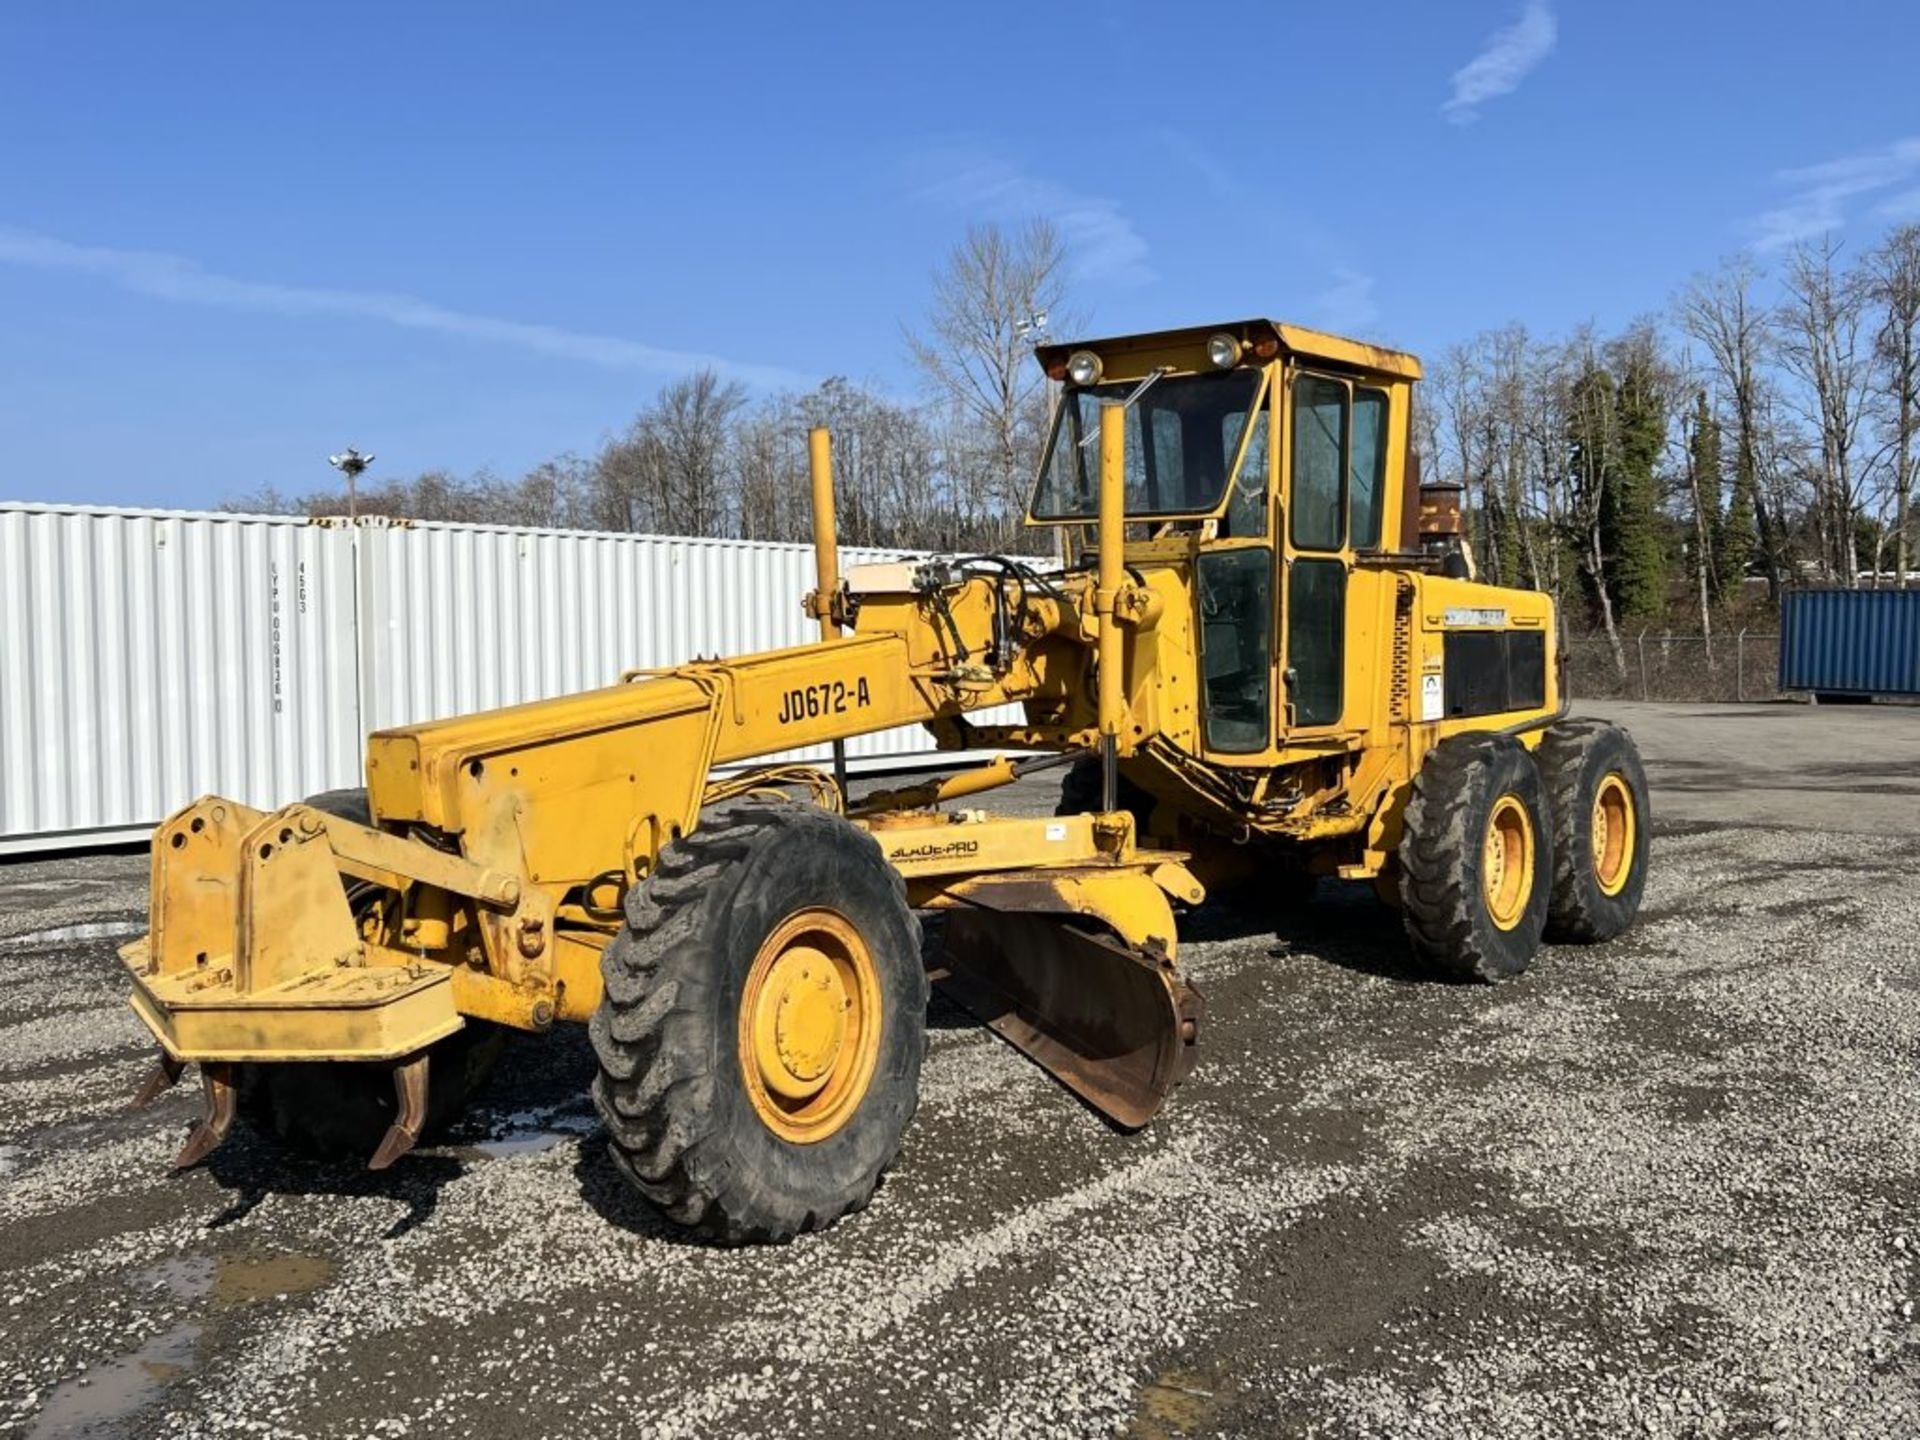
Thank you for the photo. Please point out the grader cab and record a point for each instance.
(1262, 660)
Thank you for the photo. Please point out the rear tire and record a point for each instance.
(762, 890)
(1597, 795)
(1475, 859)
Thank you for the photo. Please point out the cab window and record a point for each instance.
(1316, 639)
(1178, 445)
(1319, 463)
(1369, 468)
(1246, 517)
(1236, 626)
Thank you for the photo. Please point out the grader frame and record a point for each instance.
(503, 857)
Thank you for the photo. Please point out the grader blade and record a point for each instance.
(1115, 1025)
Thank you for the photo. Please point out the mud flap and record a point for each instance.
(1116, 1025)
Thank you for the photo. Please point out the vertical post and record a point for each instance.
(1645, 694)
(826, 561)
(1740, 664)
(1112, 533)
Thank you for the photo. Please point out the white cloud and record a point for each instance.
(1821, 193)
(1101, 241)
(182, 281)
(1507, 58)
(1347, 305)
(1899, 208)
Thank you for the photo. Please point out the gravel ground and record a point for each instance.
(1661, 1187)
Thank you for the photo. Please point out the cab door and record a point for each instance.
(1335, 490)
(1235, 591)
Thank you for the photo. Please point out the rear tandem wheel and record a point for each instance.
(1597, 792)
(1476, 856)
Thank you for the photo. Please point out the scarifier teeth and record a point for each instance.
(410, 1112)
(163, 1077)
(217, 1082)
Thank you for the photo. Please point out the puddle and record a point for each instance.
(1175, 1403)
(98, 1399)
(88, 930)
(120, 1387)
(532, 1132)
(10, 1158)
(185, 1277)
(231, 1280)
(243, 1278)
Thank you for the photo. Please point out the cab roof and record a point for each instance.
(1263, 338)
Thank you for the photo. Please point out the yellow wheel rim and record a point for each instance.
(1613, 833)
(810, 1026)
(1506, 865)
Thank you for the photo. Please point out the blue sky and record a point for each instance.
(234, 238)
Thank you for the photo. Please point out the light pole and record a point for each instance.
(351, 464)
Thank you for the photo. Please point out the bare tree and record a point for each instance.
(1893, 283)
(1720, 311)
(693, 423)
(975, 354)
(629, 486)
(770, 456)
(1821, 345)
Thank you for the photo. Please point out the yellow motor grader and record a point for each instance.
(1262, 658)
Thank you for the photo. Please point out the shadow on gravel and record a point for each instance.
(1349, 927)
(534, 1075)
(252, 1166)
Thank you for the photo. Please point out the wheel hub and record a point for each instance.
(801, 1021)
(1506, 865)
(809, 1025)
(1613, 837)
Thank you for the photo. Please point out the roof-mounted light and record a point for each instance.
(1223, 351)
(1083, 367)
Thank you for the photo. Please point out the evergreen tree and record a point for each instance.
(1737, 542)
(1593, 463)
(1630, 506)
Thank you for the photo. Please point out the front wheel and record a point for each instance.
(1475, 856)
(1597, 793)
(763, 1022)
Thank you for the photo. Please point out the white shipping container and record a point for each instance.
(149, 657)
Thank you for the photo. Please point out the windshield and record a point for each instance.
(1182, 435)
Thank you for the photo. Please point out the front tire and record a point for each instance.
(1475, 858)
(1597, 793)
(763, 1023)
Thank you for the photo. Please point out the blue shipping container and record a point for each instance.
(1850, 642)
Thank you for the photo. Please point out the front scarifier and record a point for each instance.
(257, 963)
(1263, 661)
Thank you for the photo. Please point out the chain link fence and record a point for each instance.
(1660, 665)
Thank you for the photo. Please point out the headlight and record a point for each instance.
(1083, 367)
(1223, 351)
